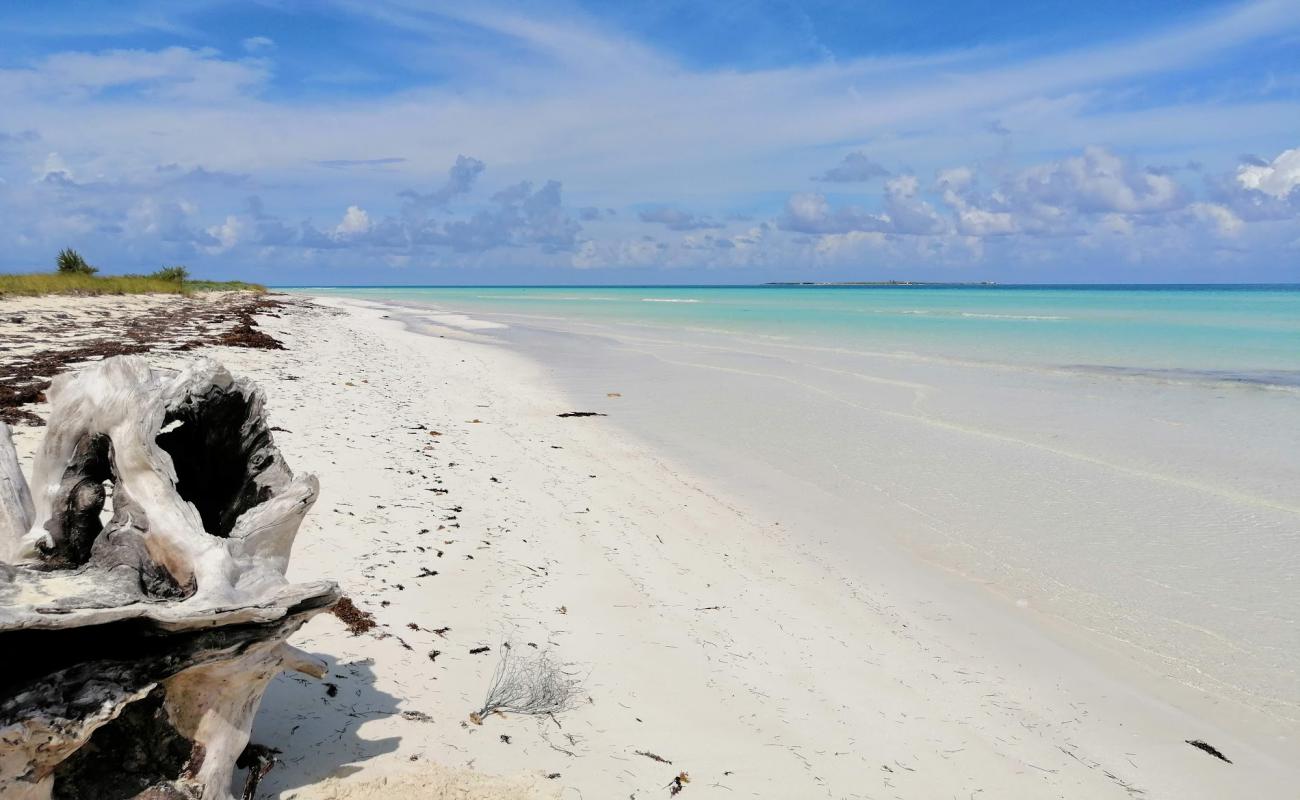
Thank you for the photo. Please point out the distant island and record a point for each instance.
(880, 283)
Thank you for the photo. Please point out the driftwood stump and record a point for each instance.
(143, 603)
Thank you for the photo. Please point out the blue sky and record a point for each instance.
(395, 141)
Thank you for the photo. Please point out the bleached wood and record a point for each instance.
(15, 500)
(189, 570)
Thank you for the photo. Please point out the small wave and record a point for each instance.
(1026, 317)
(546, 298)
(668, 300)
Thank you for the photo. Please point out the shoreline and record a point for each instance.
(706, 634)
(744, 413)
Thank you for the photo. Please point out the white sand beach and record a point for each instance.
(709, 638)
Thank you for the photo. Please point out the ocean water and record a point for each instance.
(1248, 333)
(1122, 461)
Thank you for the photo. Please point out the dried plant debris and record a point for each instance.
(582, 414)
(529, 683)
(356, 620)
(1209, 748)
(181, 324)
(652, 756)
(678, 783)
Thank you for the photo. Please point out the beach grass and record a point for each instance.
(45, 283)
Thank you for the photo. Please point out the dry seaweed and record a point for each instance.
(356, 620)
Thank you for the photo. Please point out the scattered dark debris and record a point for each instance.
(562, 610)
(413, 626)
(550, 776)
(477, 650)
(442, 631)
(505, 738)
(582, 414)
(425, 572)
(332, 689)
(433, 654)
(677, 784)
(357, 621)
(652, 756)
(416, 716)
(28, 378)
(278, 429)
(1209, 748)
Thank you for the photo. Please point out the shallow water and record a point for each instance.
(1252, 332)
(1125, 461)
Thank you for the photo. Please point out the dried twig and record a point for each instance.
(528, 683)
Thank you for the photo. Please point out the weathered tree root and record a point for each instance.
(146, 643)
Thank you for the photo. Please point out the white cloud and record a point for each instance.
(229, 233)
(1277, 178)
(355, 222)
(175, 73)
(53, 166)
(1099, 181)
(1224, 222)
(620, 122)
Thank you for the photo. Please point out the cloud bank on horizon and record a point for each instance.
(396, 141)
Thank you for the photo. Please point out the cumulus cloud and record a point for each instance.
(1098, 181)
(810, 212)
(354, 223)
(902, 212)
(54, 167)
(1277, 178)
(907, 213)
(518, 217)
(1220, 218)
(855, 167)
(460, 180)
(1093, 189)
(677, 220)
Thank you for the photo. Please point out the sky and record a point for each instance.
(734, 141)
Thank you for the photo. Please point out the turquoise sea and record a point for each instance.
(1248, 333)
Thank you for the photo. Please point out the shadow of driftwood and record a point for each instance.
(315, 725)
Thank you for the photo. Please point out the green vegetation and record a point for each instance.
(75, 276)
(178, 274)
(70, 262)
